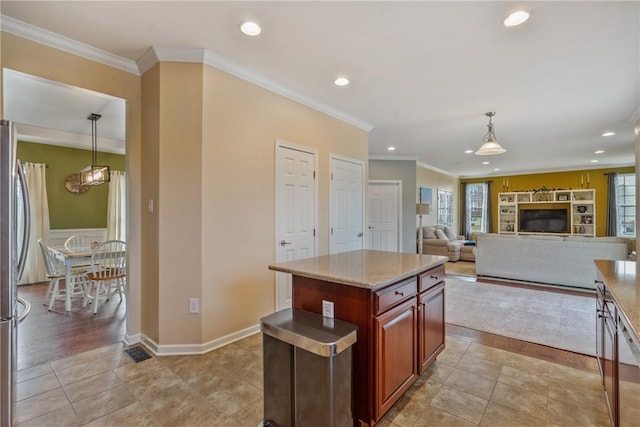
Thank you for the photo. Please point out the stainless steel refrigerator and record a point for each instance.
(14, 238)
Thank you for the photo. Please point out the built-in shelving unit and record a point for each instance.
(580, 208)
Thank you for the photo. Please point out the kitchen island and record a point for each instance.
(397, 302)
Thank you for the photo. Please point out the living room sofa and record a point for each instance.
(556, 260)
(438, 240)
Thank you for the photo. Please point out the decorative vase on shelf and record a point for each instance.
(582, 229)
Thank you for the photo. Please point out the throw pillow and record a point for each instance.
(440, 234)
(429, 232)
(450, 234)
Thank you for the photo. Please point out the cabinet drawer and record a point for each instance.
(394, 294)
(431, 277)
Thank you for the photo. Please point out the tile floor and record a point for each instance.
(469, 385)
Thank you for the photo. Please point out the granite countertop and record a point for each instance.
(362, 268)
(621, 280)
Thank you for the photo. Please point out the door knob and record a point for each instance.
(284, 242)
(370, 228)
(360, 234)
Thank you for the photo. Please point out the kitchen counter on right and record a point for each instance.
(621, 278)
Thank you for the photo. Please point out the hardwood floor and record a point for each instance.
(48, 335)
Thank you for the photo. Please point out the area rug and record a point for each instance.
(554, 319)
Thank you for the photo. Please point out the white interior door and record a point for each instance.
(384, 216)
(295, 212)
(346, 205)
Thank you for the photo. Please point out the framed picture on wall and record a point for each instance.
(425, 195)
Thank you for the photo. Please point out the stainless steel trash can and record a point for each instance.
(307, 369)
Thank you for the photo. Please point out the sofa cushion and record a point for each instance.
(450, 234)
(429, 232)
(543, 237)
(440, 235)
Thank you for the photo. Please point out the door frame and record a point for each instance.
(332, 157)
(284, 145)
(395, 183)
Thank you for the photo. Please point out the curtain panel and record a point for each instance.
(117, 207)
(36, 177)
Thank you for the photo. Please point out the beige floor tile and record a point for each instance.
(526, 363)
(450, 357)
(181, 406)
(91, 386)
(252, 343)
(479, 366)
(209, 381)
(565, 374)
(247, 416)
(131, 415)
(488, 353)
(457, 344)
(150, 386)
(40, 404)
(582, 397)
(37, 385)
(521, 400)
(103, 403)
(406, 411)
(79, 372)
(72, 361)
(565, 414)
(227, 354)
(525, 380)
(31, 373)
(461, 404)
(133, 371)
(424, 390)
(500, 416)
(476, 385)
(438, 372)
(230, 400)
(435, 417)
(65, 416)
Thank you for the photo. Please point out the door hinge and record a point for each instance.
(314, 174)
(331, 176)
(314, 232)
(332, 231)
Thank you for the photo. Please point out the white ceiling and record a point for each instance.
(422, 73)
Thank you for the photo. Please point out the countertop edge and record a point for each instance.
(359, 284)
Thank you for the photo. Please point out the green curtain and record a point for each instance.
(611, 228)
(489, 208)
(464, 225)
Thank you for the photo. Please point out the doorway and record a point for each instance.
(385, 215)
(296, 211)
(53, 128)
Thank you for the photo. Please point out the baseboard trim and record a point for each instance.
(131, 339)
(197, 349)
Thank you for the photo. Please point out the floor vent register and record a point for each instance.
(137, 354)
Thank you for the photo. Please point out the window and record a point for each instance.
(445, 208)
(476, 201)
(626, 204)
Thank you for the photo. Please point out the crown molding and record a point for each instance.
(159, 54)
(48, 38)
(435, 169)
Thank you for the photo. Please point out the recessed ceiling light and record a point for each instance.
(391, 148)
(485, 163)
(341, 81)
(599, 151)
(594, 161)
(496, 169)
(516, 18)
(608, 134)
(468, 151)
(250, 28)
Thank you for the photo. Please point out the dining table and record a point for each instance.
(77, 256)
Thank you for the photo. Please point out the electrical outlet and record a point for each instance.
(327, 309)
(194, 305)
(150, 207)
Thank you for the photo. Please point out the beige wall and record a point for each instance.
(435, 180)
(28, 57)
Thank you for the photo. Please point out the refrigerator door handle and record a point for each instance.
(27, 308)
(26, 230)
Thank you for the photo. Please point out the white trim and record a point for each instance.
(48, 38)
(131, 339)
(57, 237)
(635, 117)
(339, 157)
(196, 349)
(435, 169)
(147, 61)
(397, 183)
(382, 157)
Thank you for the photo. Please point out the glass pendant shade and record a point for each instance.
(94, 174)
(490, 145)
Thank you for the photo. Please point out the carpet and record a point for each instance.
(554, 319)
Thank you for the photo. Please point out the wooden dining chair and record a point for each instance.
(108, 272)
(55, 272)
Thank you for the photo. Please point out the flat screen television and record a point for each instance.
(544, 220)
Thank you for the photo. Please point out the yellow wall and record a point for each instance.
(32, 58)
(556, 180)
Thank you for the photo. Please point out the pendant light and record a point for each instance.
(490, 145)
(94, 174)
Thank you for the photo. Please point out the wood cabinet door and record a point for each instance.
(431, 325)
(395, 354)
